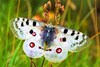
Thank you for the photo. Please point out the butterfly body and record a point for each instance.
(48, 34)
(59, 40)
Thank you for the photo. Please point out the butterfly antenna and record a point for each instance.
(59, 10)
(47, 8)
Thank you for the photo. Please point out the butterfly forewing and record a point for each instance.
(75, 41)
(21, 27)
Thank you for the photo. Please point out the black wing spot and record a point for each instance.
(16, 25)
(31, 31)
(65, 31)
(34, 23)
(41, 48)
(73, 45)
(81, 42)
(73, 32)
(64, 39)
(78, 33)
(17, 18)
(49, 50)
(83, 35)
(76, 37)
(23, 19)
(27, 22)
(22, 24)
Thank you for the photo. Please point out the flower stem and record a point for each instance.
(31, 62)
(43, 62)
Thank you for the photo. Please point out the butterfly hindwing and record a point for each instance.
(21, 27)
(75, 40)
(33, 48)
(57, 51)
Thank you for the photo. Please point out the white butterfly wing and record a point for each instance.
(33, 48)
(22, 27)
(75, 41)
(56, 52)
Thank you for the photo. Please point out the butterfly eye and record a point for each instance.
(32, 45)
(58, 50)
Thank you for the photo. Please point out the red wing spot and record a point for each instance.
(58, 50)
(34, 33)
(31, 44)
(60, 39)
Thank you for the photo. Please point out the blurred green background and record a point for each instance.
(79, 16)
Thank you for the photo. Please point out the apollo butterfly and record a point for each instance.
(57, 39)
